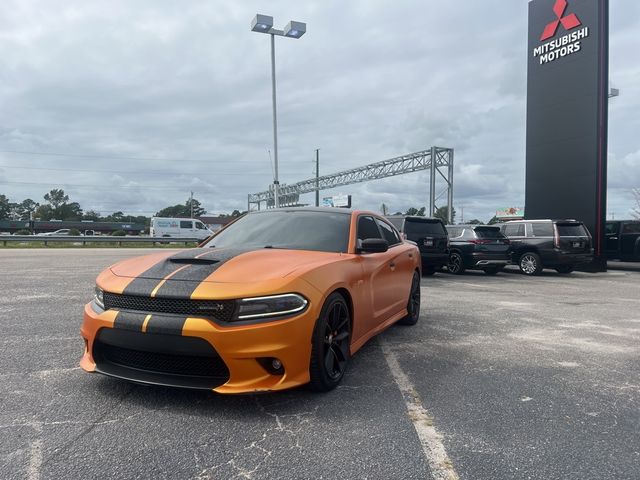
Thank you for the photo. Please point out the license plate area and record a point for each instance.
(576, 244)
(428, 242)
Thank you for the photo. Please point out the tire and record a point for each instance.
(330, 344)
(428, 271)
(413, 304)
(565, 269)
(530, 264)
(492, 270)
(456, 264)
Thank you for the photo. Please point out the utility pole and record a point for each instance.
(191, 204)
(317, 177)
(461, 214)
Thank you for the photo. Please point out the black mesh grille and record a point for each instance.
(219, 309)
(164, 363)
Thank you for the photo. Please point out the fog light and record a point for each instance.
(272, 365)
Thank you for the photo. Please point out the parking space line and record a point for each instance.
(35, 453)
(439, 463)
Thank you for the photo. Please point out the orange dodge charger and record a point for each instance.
(276, 299)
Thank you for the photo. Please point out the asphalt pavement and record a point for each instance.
(521, 377)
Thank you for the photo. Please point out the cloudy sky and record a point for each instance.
(130, 105)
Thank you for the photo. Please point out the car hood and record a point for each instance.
(220, 265)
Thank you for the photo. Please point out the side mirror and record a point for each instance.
(374, 245)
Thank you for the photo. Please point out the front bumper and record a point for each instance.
(240, 350)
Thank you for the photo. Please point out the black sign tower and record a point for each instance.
(567, 97)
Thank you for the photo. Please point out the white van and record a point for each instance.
(179, 228)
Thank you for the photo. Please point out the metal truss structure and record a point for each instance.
(438, 160)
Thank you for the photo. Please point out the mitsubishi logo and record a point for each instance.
(569, 22)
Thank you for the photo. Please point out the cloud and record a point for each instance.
(174, 97)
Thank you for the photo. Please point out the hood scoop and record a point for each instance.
(194, 261)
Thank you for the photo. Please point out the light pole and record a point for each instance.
(264, 24)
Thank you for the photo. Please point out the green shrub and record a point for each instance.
(74, 232)
(23, 232)
(118, 233)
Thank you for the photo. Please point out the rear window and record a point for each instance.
(571, 230)
(423, 227)
(542, 229)
(454, 231)
(488, 232)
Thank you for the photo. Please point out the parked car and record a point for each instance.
(277, 299)
(623, 240)
(479, 247)
(558, 244)
(431, 236)
(61, 231)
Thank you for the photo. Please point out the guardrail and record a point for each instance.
(92, 239)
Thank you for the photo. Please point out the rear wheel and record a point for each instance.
(565, 269)
(456, 263)
(330, 344)
(413, 305)
(530, 263)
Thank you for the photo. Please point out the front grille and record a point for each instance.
(163, 363)
(221, 310)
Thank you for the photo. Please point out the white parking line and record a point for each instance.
(35, 453)
(439, 463)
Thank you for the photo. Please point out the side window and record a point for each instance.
(631, 228)
(186, 224)
(200, 226)
(388, 233)
(367, 228)
(611, 228)
(542, 230)
(516, 230)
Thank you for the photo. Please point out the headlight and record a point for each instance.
(271, 306)
(98, 296)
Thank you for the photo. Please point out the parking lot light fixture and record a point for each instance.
(264, 24)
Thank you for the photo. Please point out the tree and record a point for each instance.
(173, 211)
(493, 220)
(91, 215)
(635, 211)
(5, 207)
(56, 198)
(237, 213)
(198, 211)
(25, 208)
(443, 214)
(475, 221)
(44, 213)
(69, 211)
(414, 212)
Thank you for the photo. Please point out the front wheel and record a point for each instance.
(530, 263)
(330, 344)
(413, 305)
(456, 263)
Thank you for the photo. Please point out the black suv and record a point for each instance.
(479, 247)
(431, 237)
(538, 244)
(623, 240)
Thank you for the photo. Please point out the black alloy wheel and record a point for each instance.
(530, 263)
(456, 263)
(413, 305)
(330, 344)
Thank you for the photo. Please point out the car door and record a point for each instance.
(401, 263)
(378, 274)
(612, 239)
(186, 229)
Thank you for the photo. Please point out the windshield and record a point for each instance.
(423, 227)
(296, 230)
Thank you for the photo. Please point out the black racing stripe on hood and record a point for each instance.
(166, 324)
(184, 283)
(129, 321)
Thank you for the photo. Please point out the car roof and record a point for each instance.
(346, 211)
(541, 220)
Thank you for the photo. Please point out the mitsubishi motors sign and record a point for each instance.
(561, 46)
(567, 83)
